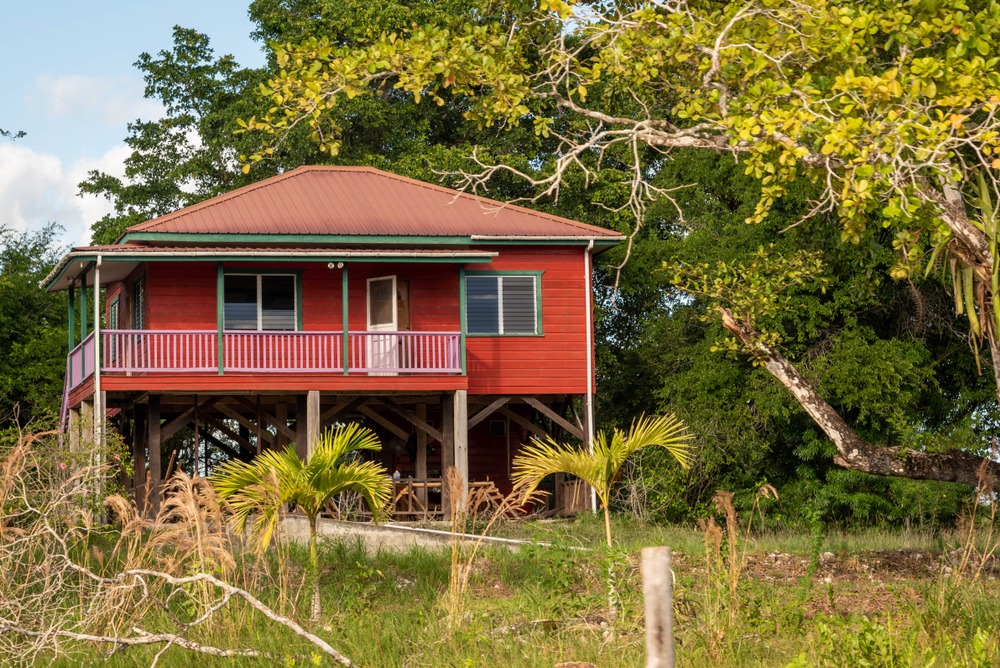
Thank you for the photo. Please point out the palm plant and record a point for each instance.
(258, 490)
(600, 468)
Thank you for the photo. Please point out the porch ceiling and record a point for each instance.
(118, 261)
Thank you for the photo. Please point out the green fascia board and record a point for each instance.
(360, 239)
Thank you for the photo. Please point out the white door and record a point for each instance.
(382, 351)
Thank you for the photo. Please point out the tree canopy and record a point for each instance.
(887, 108)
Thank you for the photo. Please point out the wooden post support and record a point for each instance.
(312, 420)
(87, 424)
(422, 453)
(461, 423)
(154, 453)
(74, 430)
(280, 418)
(259, 432)
(447, 446)
(139, 437)
(657, 590)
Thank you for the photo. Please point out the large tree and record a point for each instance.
(889, 107)
(32, 329)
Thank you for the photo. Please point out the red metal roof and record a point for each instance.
(363, 201)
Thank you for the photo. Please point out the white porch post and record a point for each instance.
(589, 403)
(99, 409)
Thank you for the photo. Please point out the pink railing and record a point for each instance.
(148, 351)
(80, 363)
(137, 350)
(405, 352)
(277, 352)
(79, 367)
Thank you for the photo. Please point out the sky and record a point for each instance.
(68, 81)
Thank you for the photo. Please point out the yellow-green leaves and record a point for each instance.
(757, 292)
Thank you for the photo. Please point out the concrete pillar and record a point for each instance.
(154, 453)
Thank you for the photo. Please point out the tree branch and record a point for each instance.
(853, 452)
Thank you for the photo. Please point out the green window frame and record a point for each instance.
(262, 277)
(501, 303)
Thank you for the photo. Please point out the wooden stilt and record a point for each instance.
(447, 446)
(422, 453)
(259, 436)
(197, 442)
(461, 422)
(154, 453)
(312, 420)
(455, 442)
(86, 424)
(301, 427)
(280, 420)
(141, 436)
(74, 430)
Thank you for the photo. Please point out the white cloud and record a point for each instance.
(36, 188)
(112, 100)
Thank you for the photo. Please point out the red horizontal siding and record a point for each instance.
(554, 363)
(182, 295)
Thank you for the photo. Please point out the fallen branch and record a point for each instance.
(231, 591)
(141, 638)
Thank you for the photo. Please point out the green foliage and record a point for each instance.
(887, 355)
(601, 467)
(257, 490)
(32, 329)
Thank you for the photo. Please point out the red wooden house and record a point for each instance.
(454, 325)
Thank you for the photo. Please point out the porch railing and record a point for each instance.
(171, 351)
(79, 367)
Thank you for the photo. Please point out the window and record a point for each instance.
(503, 304)
(260, 302)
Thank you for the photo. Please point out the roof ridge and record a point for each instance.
(485, 203)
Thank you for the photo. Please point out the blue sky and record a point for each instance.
(68, 81)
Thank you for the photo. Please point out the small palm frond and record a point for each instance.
(543, 458)
(334, 444)
(368, 479)
(665, 431)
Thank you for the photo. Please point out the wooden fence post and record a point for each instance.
(657, 592)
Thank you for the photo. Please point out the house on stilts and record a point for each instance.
(453, 325)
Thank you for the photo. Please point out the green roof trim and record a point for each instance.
(362, 239)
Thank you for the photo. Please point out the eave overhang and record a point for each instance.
(117, 262)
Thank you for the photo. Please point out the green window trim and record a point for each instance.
(221, 305)
(537, 275)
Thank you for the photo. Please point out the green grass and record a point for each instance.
(546, 604)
